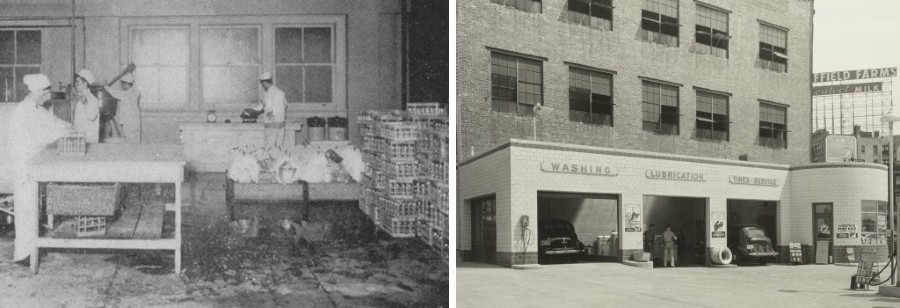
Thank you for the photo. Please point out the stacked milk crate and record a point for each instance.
(406, 154)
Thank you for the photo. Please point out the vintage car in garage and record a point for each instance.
(558, 242)
(749, 243)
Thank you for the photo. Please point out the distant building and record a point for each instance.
(845, 99)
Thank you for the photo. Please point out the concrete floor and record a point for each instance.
(352, 266)
(617, 285)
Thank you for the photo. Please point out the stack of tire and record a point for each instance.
(721, 255)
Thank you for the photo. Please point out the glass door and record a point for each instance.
(823, 232)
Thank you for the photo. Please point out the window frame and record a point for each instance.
(659, 108)
(40, 66)
(659, 21)
(518, 81)
(574, 16)
(711, 120)
(275, 63)
(611, 105)
(879, 233)
(712, 33)
(773, 142)
(771, 63)
(267, 25)
(515, 5)
(202, 27)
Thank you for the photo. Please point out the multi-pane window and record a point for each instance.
(712, 31)
(712, 116)
(593, 13)
(230, 64)
(772, 125)
(874, 222)
(659, 110)
(161, 56)
(590, 97)
(304, 62)
(862, 149)
(772, 48)
(525, 5)
(659, 22)
(20, 55)
(516, 84)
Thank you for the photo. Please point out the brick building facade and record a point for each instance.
(667, 98)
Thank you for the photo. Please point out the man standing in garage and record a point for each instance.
(669, 253)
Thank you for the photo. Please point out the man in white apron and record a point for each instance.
(274, 106)
(86, 116)
(128, 112)
(31, 129)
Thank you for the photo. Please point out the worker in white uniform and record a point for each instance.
(128, 112)
(274, 107)
(31, 129)
(86, 115)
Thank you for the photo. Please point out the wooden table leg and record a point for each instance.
(178, 228)
(35, 260)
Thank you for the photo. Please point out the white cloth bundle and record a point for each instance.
(353, 161)
(244, 169)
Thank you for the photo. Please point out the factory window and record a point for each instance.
(525, 5)
(516, 84)
(304, 62)
(590, 97)
(874, 222)
(20, 55)
(862, 149)
(772, 125)
(592, 13)
(659, 22)
(213, 63)
(161, 56)
(885, 150)
(772, 48)
(712, 31)
(660, 108)
(712, 116)
(230, 64)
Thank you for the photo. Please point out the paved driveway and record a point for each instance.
(617, 285)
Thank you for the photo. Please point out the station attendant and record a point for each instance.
(274, 107)
(669, 238)
(31, 129)
(128, 112)
(86, 115)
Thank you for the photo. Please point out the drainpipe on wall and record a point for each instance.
(404, 57)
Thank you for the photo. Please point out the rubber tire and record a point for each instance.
(715, 254)
(725, 256)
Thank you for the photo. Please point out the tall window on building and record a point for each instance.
(712, 116)
(712, 31)
(230, 64)
(516, 84)
(593, 13)
(590, 97)
(874, 222)
(304, 61)
(20, 55)
(161, 56)
(660, 108)
(659, 22)
(862, 149)
(772, 125)
(772, 48)
(525, 5)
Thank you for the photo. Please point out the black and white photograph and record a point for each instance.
(203, 153)
(676, 153)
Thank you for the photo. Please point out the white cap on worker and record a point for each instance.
(129, 78)
(36, 82)
(87, 75)
(265, 76)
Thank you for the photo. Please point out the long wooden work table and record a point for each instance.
(112, 163)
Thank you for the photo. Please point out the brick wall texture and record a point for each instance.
(483, 25)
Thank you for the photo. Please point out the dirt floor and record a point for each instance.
(349, 264)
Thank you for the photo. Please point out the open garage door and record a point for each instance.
(577, 227)
(687, 216)
(752, 230)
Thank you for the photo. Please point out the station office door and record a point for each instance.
(823, 232)
(484, 230)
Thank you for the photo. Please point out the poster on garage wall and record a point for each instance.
(718, 224)
(633, 218)
(847, 231)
